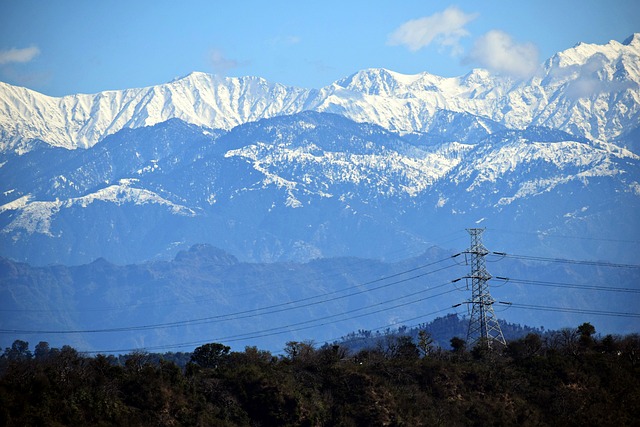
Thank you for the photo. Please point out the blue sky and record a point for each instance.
(65, 47)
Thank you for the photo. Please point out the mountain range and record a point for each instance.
(588, 91)
(206, 295)
(377, 161)
(378, 165)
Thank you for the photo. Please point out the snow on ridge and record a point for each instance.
(575, 159)
(539, 186)
(412, 173)
(36, 216)
(123, 193)
(17, 204)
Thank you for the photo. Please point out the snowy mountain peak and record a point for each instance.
(605, 79)
(477, 76)
(582, 52)
(383, 82)
(375, 81)
(203, 81)
(197, 78)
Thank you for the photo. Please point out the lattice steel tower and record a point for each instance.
(483, 325)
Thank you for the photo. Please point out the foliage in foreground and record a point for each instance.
(568, 378)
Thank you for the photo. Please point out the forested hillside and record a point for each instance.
(571, 377)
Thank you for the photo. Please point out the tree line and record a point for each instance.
(568, 377)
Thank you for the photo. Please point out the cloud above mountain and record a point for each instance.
(499, 53)
(8, 56)
(496, 50)
(222, 63)
(444, 29)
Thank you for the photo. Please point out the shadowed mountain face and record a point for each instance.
(206, 295)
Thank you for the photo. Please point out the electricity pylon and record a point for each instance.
(483, 325)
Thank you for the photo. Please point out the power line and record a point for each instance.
(201, 298)
(281, 330)
(288, 328)
(568, 285)
(295, 327)
(566, 261)
(277, 308)
(399, 322)
(572, 310)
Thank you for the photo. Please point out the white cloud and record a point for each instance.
(18, 55)
(222, 63)
(498, 52)
(284, 40)
(583, 81)
(444, 28)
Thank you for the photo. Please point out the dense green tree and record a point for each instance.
(458, 344)
(402, 347)
(586, 332)
(300, 351)
(210, 355)
(41, 350)
(19, 350)
(525, 347)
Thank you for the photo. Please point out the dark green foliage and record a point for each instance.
(210, 355)
(559, 380)
(19, 350)
(439, 333)
(586, 332)
(457, 344)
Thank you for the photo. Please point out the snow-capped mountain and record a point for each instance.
(377, 165)
(80, 121)
(590, 91)
(306, 186)
(374, 163)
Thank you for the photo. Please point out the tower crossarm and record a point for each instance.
(483, 324)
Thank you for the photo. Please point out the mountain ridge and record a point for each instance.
(567, 94)
(204, 293)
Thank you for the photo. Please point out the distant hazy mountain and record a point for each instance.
(206, 295)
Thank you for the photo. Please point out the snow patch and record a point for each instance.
(36, 216)
(17, 204)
